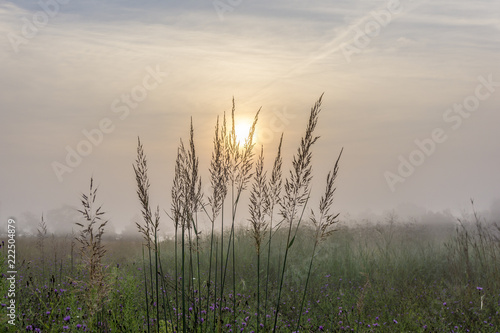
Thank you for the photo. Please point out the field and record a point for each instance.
(388, 278)
(295, 268)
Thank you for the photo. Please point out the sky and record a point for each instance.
(411, 92)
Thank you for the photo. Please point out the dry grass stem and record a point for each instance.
(218, 172)
(259, 199)
(297, 186)
(326, 220)
(275, 183)
(241, 159)
(141, 176)
(92, 250)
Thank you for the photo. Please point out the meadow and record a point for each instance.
(295, 268)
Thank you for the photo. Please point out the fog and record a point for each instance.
(411, 92)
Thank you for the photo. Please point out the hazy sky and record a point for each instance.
(412, 93)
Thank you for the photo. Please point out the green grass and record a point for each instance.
(296, 267)
(410, 281)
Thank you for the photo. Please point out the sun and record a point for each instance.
(242, 129)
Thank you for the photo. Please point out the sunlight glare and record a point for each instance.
(242, 128)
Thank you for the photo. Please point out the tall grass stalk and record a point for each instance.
(218, 181)
(274, 192)
(165, 293)
(150, 228)
(259, 200)
(193, 205)
(156, 252)
(241, 166)
(197, 233)
(145, 287)
(323, 224)
(297, 188)
(186, 201)
(183, 276)
(92, 251)
(227, 163)
(176, 210)
(215, 284)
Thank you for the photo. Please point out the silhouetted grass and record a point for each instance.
(389, 277)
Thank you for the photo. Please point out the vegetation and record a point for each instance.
(295, 269)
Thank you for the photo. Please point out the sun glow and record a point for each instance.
(242, 129)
